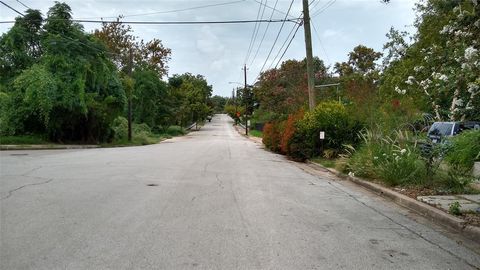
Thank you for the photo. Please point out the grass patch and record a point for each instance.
(329, 163)
(256, 133)
(141, 139)
(23, 139)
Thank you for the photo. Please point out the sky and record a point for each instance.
(219, 51)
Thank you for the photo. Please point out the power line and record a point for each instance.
(12, 8)
(177, 22)
(325, 7)
(60, 34)
(173, 10)
(253, 33)
(315, 5)
(283, 45)
(264, 33)
(275, 42)
(23, 4)
(319, 41)
(274, 9)
(290, 42)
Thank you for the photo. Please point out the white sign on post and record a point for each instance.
(322, 135)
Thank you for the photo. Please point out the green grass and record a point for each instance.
(138, 140)
(256, 133)
(329, 163)
(23, 139)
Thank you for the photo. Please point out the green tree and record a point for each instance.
(440, 68)
(284, 90)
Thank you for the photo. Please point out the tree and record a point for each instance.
(361, 61)
(20, 47)
(218, 103)
(191, 94)
(120, 41)
(441, 67)
(284, 90)
(358, 81)
(71, 91)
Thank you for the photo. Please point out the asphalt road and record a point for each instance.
(209, 200)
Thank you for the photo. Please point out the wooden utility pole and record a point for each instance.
(130, 67)
(246, 99)
(308, 47)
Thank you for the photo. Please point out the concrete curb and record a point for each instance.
(45, 147)
(433, 214)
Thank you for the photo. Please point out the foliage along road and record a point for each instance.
(209, 200)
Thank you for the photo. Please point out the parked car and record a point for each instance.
(441, 130)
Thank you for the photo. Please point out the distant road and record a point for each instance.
(210, 200)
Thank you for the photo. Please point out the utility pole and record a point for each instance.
(130, 66)
(246, 99)
(308, 47)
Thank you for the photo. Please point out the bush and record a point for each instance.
(331, 117)
(272, 135)
(289, 131)
(120, 128)
(141, 128)
(175, 130)
(392, 159)
(464, 151)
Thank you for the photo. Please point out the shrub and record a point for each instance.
(289, 131)
(175, 130)
(141, 128)
(464, 150)
(331, 117)
(272, 135)
(392, 159)
(120, 128)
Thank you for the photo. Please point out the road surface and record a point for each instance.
(209, 200)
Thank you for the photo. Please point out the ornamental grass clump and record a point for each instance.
(393, 159)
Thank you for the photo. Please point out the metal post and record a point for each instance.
(246, 99)
(130, 64)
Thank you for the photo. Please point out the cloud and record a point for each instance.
(208, 43)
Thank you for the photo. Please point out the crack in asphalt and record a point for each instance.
(10, 192)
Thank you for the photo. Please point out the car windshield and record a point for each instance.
(444, 129)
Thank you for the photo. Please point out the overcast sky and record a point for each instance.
(218, 51)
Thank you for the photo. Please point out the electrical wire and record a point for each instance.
(60, 34)
(264, 33)
(319, 40)
(253, 34)
(12, 8)
(290, 42)
(275, 42)
(323, 8)
(177, 22)
(283, 45)
(23, 4)
(274, 9)
(170, 11)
